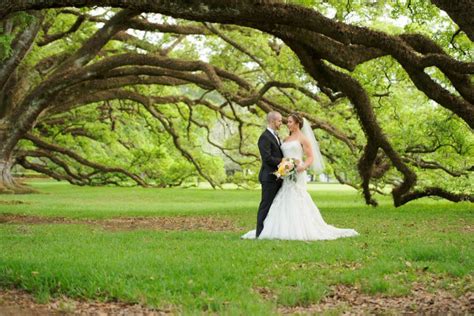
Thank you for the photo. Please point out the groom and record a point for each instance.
(271, 155)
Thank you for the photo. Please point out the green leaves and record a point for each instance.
(5, 46)
(10, 29)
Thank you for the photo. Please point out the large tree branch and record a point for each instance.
(144, 25)
(462, 12)
(50, 38)
(94, 44)
(359, 98)
(23, 161)
(436, 92)
(55, 148)
(70, 176)
(245, 12)
(121, 94)
(345, 56)
(436, 191)
(20, 47)
(456, 72)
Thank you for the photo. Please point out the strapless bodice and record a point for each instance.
(292, 149)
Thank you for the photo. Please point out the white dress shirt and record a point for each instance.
(274, 133)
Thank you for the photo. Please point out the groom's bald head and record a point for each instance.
(274, 120)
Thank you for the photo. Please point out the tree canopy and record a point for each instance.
(156, 91)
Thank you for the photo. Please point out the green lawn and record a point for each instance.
(193, 271)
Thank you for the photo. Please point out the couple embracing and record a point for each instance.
(286, 210)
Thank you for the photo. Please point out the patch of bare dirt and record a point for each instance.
(466, 226)
(204, 223)
(12, 202)
(347, 300)
(15, 302)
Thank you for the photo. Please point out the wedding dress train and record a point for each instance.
(293, 214)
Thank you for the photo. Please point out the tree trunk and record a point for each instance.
(7, 183)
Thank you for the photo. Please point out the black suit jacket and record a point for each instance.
(271, 155)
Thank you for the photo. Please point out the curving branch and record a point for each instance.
(94, 44)
(69, 153)
(223, 149)
(436, 191)
(68, 176)
(23, 161)
(144, 25)
(434, 166)
(50, 38)
(462, 12)
(20, 47)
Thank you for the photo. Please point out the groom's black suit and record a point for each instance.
(271, 155)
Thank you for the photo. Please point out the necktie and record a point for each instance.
(278, 138)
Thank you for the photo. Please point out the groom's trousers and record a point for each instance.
(269, 190)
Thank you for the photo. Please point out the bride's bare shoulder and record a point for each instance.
(303, 140)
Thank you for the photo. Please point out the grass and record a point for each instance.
(198, 271)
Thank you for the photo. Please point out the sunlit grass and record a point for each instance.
(197, 271)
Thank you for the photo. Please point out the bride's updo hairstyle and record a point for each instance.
(298, 118)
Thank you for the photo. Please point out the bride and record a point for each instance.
(293, 214)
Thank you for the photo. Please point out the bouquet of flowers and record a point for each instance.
(287, 169)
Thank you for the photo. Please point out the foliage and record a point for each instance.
(432, 142)
(8, 35)
(5, 46)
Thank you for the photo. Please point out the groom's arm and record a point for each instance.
(264, 146)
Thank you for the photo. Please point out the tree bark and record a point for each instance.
(9, 73)
(7, 183)
(461, 11)
(20, 47)
(18, 119)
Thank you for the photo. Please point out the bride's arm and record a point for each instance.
(309, 155)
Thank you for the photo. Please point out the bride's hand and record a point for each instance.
(300, 168)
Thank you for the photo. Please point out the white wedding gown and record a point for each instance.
(293, 214)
